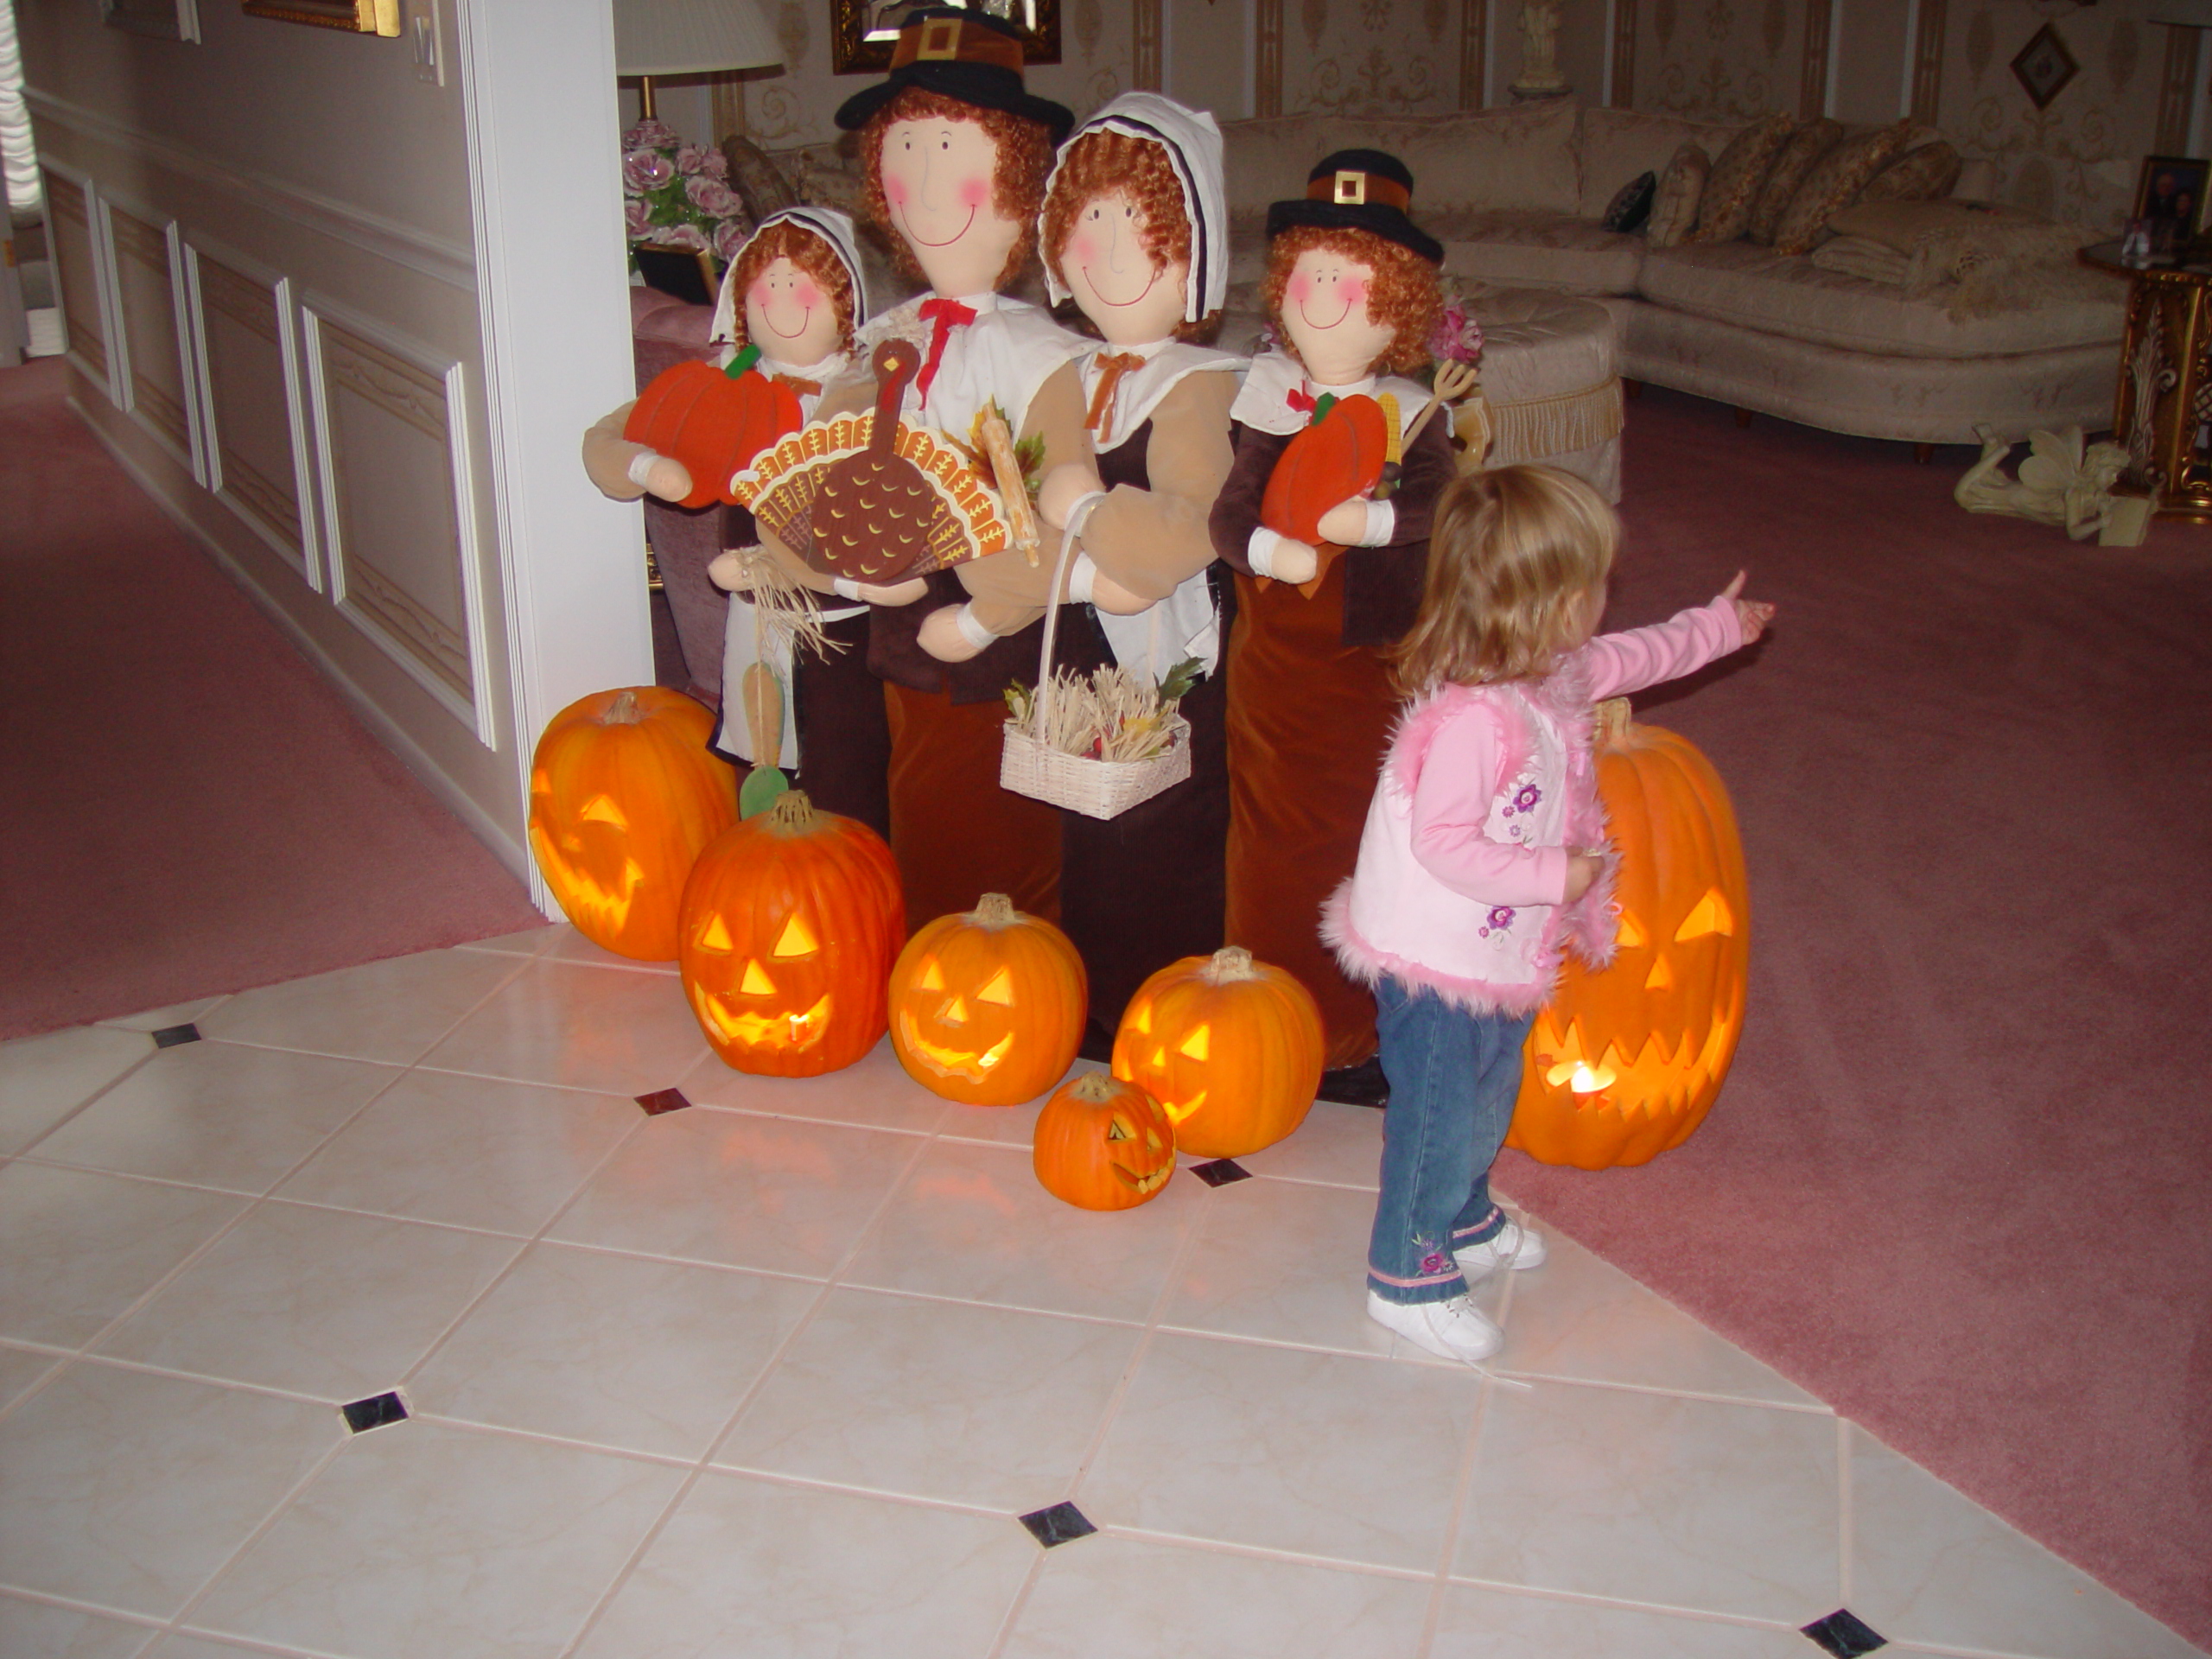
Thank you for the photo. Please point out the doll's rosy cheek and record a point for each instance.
(1301, 286)
(975, 191)
(895, 190)
(1353, 290)
(806, 293)
(759, 293)
(1083, 248)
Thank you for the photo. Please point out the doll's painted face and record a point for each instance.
(1132, 297)
(788, 317)
(1324, 312)
(938, 178)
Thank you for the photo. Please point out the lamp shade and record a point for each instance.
(2186, 13)
(690, 37)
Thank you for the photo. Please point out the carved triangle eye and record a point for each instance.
(1197, 1044)
(1117, 1130)
(1630, 934)
(932, 977)
(601, 809)
(1000, 990)
(1712, 915)
(715, 936)
(756, 982)
(796, 940)
(1660, 977)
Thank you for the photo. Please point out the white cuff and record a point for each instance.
(1081, 575)
(640, 464)
(972, 631)
(1260, 551)
(845, 588)
(1381, 524)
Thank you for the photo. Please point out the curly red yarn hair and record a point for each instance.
(787, 240)
(1025, 150)
(1104, 162)
(1406, 294)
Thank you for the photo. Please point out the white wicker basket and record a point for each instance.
(1098, 789)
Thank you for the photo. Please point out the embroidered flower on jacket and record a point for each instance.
(1524, 799)
(1500, 918)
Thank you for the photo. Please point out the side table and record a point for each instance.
(2161, 410)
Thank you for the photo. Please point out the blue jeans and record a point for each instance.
(1453, 1079)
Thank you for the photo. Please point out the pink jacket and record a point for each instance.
(1462, 870)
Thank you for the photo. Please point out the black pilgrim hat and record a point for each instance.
(1359, 190)
(962, 54)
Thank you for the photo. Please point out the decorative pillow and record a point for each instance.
(755, 178)
(1925, 175)
(1673, 209)
(1724, 212)
(1791, 163)
(1631, 204)
(1834, 184)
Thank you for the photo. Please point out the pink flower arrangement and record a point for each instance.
(1459, 336)
(676, 194)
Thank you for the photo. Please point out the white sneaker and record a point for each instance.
(1451, 1329)
(1510, 1246)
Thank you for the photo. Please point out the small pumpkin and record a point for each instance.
(791, 920)
(715, 421)
(1230, 1047)
(987, 1008)
(1624, 1061)
(624, 794)
(1336, 458)
(1104, 1144)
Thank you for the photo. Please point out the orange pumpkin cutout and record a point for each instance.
(1104, 1144)
(1230, 1047)
(987, 1008)
(1336, 458)
(624, 792)
(714, 420)
(1623, 1062)
(790, 921)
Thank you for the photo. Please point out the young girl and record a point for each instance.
(1483, 854)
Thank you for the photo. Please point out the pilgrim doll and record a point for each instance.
(1135, 228)
(1322, 591)
(954, 152)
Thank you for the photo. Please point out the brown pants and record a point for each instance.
(1309, 721)
(956, 834)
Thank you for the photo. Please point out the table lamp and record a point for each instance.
(688, 37)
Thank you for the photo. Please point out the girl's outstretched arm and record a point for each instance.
(1629, 661)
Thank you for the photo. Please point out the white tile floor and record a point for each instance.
(776, 1373)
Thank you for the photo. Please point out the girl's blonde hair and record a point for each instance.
(1511, 553)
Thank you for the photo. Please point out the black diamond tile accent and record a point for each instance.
(374, 1412)
(1060, 1524)
(1221, 1172)
(662, 1100)
(1844, 1635)
(170, 1036)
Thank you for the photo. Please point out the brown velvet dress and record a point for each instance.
(1310, 711)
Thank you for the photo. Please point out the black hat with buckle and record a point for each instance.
(1359, 190)
(962, 54)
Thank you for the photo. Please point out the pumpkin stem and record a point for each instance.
(1608, 724)
(792, 813)
(1094, 1087)
(625, 710)
(993, 909)
(1231, 963)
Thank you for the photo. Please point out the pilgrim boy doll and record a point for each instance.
(1351, 290)
(1135, 228)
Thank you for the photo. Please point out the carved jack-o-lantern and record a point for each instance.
(624, 792)
(790, 921)
(987, 1008)
(1104, 1144)
(1623, 1062)
(1230, 1047)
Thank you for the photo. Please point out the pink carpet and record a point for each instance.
(1960, 1184)
(190, 807)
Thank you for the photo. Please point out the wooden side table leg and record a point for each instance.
(1924, 453)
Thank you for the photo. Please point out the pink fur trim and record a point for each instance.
(1417, 729)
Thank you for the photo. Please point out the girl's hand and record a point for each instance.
(1751, 615)
(1582, 869)
(1345, 523)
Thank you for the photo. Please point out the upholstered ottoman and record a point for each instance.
(1548, 385)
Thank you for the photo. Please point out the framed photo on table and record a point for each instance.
(355, 16)
(2170, 192)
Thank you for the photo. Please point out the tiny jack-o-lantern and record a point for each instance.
(1104, 1144)
(624, 792)
(791, 922)
(1337, 457)
(987, 1008)
(1623, 1061)
(1230, 1047)
(715, 421)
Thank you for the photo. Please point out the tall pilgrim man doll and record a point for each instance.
(1329, 568)
(1135, 228)
(954, 153)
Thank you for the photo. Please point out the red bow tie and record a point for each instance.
(1302, 402)
(943, 316)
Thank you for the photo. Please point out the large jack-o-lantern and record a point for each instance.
(624, 792)
(987, 1008)
(1104, 1144)
(1622, 1064)
(1230, 1047)
(792, 919)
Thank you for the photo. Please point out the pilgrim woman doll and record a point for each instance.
(1351, 290)
(1135, 228)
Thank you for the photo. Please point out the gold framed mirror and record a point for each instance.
(355, 16)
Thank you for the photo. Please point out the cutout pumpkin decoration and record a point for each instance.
(1625, 1062)
(1104, 1144)
(624, 794)
(987, 1008)
(1230, 1047)
(715, 421)
(791, 922)
(1338, 456)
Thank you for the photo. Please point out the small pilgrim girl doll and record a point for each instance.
(954, 152)
(1135, 227)
(1351, 291)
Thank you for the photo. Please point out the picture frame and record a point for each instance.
(163, 20)
(687, 273)
(861, 31)
(354, 17)
(2044, 66)
(2169, 191)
